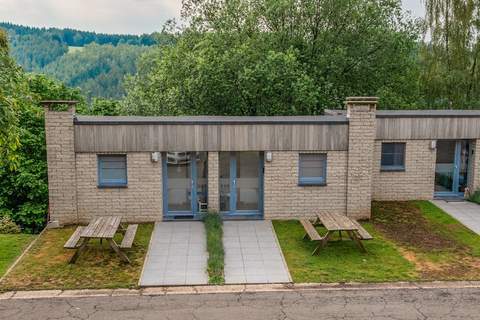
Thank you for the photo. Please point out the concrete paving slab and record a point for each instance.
(252, 253)
(467, 213)
(177, 255)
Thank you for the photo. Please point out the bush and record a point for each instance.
(214, 230)
(475, 197)
(7, 226)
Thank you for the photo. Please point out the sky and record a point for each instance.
(107, 16)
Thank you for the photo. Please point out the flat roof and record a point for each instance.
(218, 120)
(427, 113)
(416, 113)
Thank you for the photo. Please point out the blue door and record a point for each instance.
(451, 168)
(184, 184)
(241, 184)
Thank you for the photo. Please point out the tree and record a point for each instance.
(12, 93)
(450, 60)
(98, 70)
(265, 57)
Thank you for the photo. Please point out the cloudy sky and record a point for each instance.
(109, 16)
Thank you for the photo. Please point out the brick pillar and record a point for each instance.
(59, 134)
(213, 182)
(474, 167)
(361, 144)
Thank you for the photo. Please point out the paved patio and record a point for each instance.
(468, 213)
(252, 253)
(177, 255)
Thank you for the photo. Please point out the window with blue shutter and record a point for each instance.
(393, 156)
(312, 169)
(112, 170)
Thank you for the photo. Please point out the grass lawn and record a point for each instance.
(11, 246)
(412, 241)
(440, 247)
(341, 261)
(46, 266)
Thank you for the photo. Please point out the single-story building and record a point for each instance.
(170, 168)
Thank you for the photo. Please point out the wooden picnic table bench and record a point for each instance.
(334, 222)
(101, 228)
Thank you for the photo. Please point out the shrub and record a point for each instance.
(475, 197)
(7, 226)
(214, 230)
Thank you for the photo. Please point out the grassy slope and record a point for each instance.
(11, 246)
(341, 261)
(46, 265)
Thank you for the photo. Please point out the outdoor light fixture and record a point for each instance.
(268, 156)
(155, 156)
(433, 144)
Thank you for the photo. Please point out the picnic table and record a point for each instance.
(101, 228)
(335, 222)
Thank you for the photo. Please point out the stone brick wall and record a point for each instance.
(474, 167)
(285, 199)
(141, 201)
(361, 139)
(213, 182)
(415, 183)
(59, 135)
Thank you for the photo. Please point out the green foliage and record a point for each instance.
(475, 197)
(103, 107)
(214, 230)
(24, 190)
(450, 61)
(7, 226)
(12, 94)
(98, 70)
(290, 57)
(34, 48)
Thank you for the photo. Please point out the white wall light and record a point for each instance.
(268, 156)
(433, 144)
(155, 156)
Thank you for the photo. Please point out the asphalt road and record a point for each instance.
(358, 304)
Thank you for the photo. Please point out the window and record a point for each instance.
(312, 169)
(112, 170)
(393, 157)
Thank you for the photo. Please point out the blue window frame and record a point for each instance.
(112, 170)
(393, 156)
(312, 169)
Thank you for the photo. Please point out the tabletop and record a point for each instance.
(101, 227)
(337, 222)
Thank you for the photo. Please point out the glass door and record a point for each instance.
(184, 183)
(451, 168)
(241, 183)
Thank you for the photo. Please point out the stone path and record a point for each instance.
(468, 213)
(252, 253)
(177, 255)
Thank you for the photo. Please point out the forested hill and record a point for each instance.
(94, 62)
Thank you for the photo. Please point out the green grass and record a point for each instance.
(449, 227)
(46, 265)
(11, 246)
(73, 49)
(440, 247)
(341, 261)
(214, 230)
